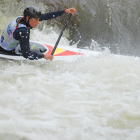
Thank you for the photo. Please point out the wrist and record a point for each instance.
(65, 10)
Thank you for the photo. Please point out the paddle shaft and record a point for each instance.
(61, 34)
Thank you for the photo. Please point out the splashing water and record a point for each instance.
(90, 98)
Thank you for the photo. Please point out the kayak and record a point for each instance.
(61, 53)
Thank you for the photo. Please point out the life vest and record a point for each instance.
(7, 40)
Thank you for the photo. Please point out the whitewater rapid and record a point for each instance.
(90, 98)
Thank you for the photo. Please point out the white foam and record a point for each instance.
(91, 97)
(51, 37)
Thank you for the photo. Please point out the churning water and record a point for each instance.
(93, 98)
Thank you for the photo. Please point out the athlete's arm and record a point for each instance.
(51, 15)
(22, 35)
(55, 14)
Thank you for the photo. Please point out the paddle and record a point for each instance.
(61, 34)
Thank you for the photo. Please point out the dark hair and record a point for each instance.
(18, 21)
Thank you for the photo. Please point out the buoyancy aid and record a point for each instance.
(7, 40)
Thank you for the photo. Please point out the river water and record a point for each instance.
(93, 98)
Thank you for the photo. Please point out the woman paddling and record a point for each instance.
(18, 32)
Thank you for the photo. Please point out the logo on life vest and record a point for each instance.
(9, 31)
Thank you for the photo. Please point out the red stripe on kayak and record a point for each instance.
(64, 53)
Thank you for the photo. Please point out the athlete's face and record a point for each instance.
(33, 22)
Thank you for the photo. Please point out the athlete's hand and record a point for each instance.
(70, 10)
(48, 57)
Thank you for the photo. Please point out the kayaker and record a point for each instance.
(18, 32)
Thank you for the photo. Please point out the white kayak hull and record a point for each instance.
(62, 52)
